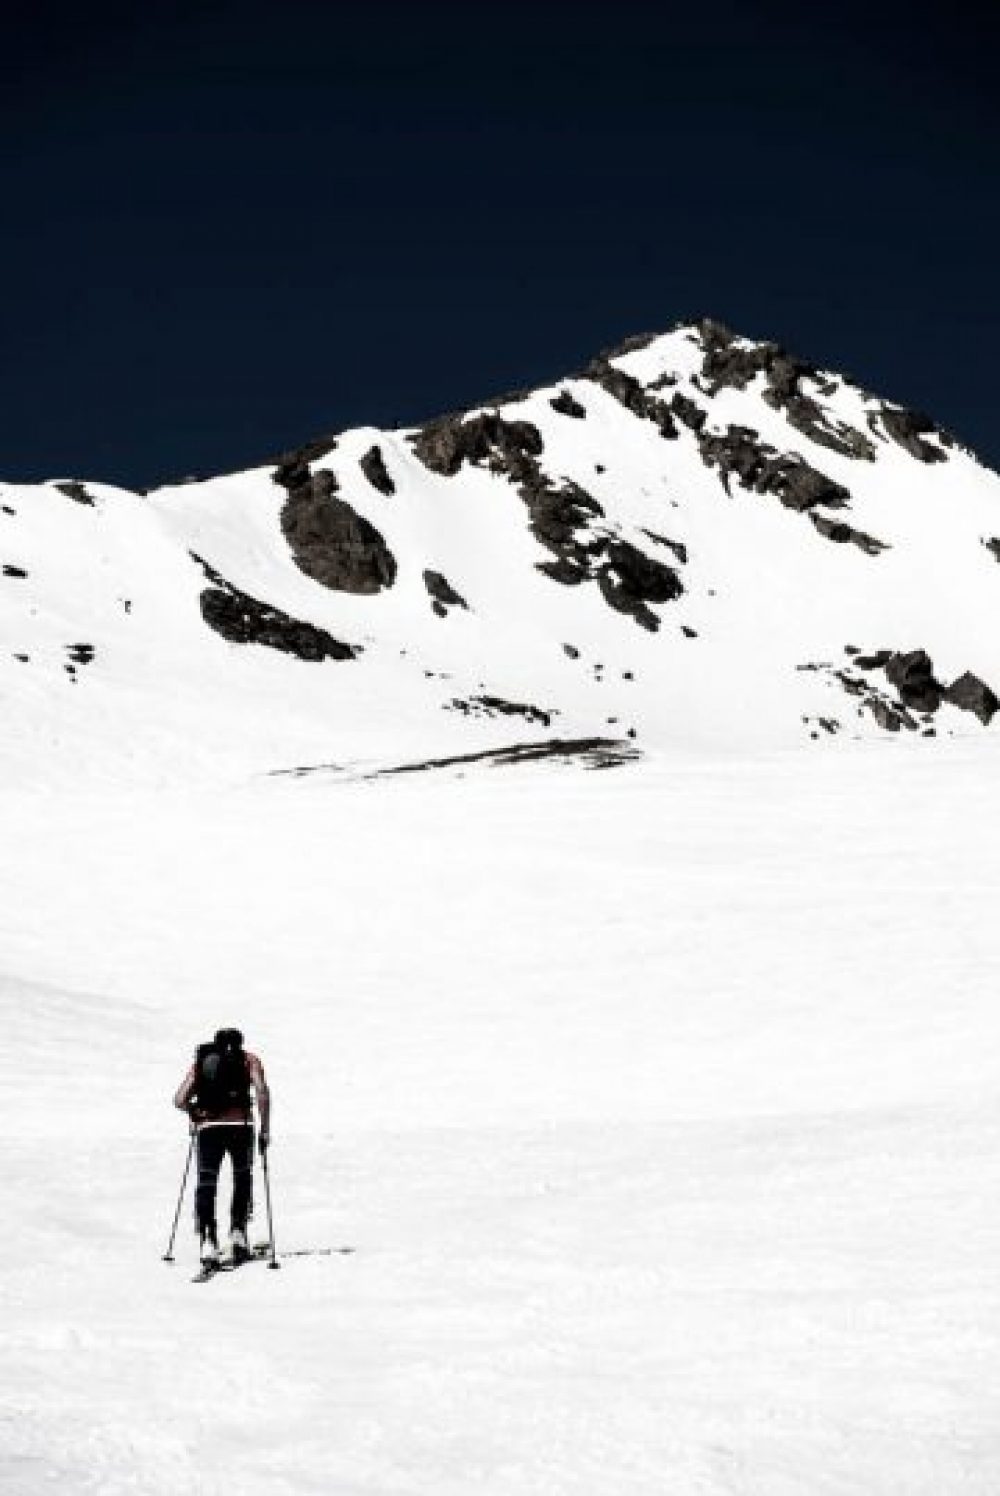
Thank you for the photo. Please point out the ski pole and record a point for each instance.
(168, 1255)
(270, 1218)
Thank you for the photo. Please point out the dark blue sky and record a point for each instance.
(232, 226)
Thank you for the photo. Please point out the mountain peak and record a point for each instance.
(698, 541)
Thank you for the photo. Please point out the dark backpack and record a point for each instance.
(221, 1079)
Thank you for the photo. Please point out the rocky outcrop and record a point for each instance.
(740, 453)
(634, 343)
(677, 547)
(77, 492)
(688, 411)
(919, 693)
(735, 363)
(374, 468)
(242, 619)
(629, 580)
(992, 544)
(566, 405)
(329, 540)
(442, 593)
(970, 694)
(496, 706)
(731, 362)
(912, 674)
(562, 514)
(908, 428)
(17, 572)
(300, 458)
(844, 534)
(630, 393)
(446, 444)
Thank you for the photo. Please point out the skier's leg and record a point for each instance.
(241, 1153)
(211, 1148)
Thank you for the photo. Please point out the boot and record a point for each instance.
(238, 1249)
(209, 1246)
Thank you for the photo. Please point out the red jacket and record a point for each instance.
(234, 1114)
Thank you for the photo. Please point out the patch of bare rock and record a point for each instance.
(442, 593)
(242, 619)
(328, 539)
(563, 516)
(917, 694)
(374, 468)
(497, 706)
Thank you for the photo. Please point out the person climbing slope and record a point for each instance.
(216, 1095)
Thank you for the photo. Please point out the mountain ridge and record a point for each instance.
(753, 549)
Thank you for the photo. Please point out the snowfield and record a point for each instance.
(659, 1105)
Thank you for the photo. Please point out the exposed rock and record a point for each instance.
(679, 549)
(740, 453)
(635, 343)
(558, 513)
(15, 571)
(443, 593)
(77, 492)
(563, 570)
(80, 654)
(688, 411)
(734, 363)
(566, 405)
(328, 539)
(887, 716)
(243, 619)
(842, 534)
(629, 579)
(912, 674)
(496, 706)
(561, 513)
(993, 546)
(444, 445)
(907, 428)
(876, 661)
(308, 453)
(374, 468)
(808, 416)
(971, 694)
(630, 393)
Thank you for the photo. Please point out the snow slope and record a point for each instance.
(659, 1106)
(658, 1102)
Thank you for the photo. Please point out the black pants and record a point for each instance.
(213, 1145)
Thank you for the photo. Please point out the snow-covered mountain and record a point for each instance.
(696, 541)
(633, 1132)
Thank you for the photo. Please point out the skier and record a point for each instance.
(215, 1094)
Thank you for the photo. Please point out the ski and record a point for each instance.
(318, 1252)
(261, 1252)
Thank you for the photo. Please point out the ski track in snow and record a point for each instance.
(661, 1107)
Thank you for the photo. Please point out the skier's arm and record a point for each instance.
(259, 1081)
(182, 1100)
